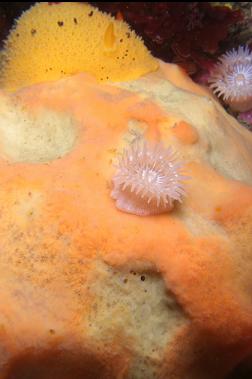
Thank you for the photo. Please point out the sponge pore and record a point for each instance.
(49, 42)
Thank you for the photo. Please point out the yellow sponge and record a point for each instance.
(49, 42)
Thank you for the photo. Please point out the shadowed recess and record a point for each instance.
(56, 364)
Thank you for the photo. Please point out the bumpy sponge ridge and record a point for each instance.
(50, 42)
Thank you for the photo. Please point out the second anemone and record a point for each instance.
(231, 79)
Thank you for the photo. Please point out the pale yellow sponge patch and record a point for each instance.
(49, 42)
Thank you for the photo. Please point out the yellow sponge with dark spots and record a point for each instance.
(49, 42)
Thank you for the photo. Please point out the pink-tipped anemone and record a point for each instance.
(148, 179)
(231, 78)
(235, 56)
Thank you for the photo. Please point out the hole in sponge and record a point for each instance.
(133, 302)
(34, 138)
